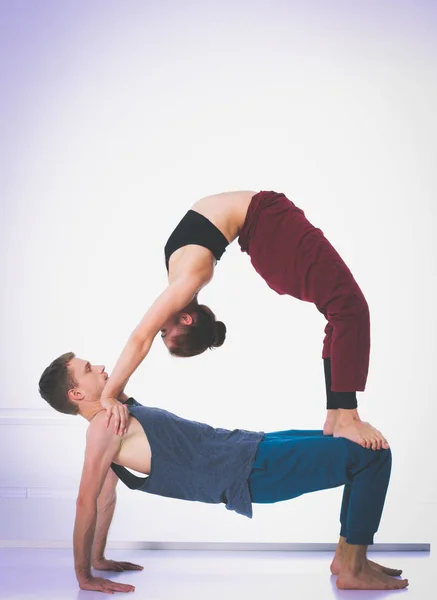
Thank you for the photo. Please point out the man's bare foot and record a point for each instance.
(366, 578)
(350, 426)
(336, 567)
(341, 556)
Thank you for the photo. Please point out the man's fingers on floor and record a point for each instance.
(112, 586)
(123, 587)
(132, 566)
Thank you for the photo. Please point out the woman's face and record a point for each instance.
(168, 332)
(171, 327)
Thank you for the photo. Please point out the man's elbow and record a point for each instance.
(86, 502)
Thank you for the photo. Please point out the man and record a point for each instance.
(194, 461)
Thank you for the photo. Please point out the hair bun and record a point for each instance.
(219, 334)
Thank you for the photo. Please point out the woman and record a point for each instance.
(294, 258)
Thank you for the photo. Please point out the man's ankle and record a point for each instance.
(354, 557)
(341, 546)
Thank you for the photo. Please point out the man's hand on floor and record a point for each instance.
(105, 564)
(98, 584)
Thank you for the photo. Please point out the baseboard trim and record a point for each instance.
(43, 416)
(223, 546)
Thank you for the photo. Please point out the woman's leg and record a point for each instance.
(342, 407)
(294, 258)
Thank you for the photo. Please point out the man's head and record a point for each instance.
(192, 331)
(70, 381)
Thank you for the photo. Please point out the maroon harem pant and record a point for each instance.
(294, 257)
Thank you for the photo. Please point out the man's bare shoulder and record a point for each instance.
(99, 432)
(98, 421)
(102, 445)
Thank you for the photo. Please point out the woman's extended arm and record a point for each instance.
(174, 298)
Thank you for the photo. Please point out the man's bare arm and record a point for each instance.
(102, 446)
(104, 519)
(106, 503)
(83, 536)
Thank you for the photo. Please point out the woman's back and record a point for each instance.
(227, 212)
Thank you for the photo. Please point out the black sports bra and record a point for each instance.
(194, 228)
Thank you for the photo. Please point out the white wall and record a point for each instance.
(116, 118)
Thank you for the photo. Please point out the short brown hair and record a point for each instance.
(205, 332)
(55, 383)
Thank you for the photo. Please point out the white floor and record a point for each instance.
(26, 574)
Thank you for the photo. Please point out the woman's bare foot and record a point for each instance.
(331, 420)
(366, 578)
(349, 425)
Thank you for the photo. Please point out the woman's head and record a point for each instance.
(194, 331)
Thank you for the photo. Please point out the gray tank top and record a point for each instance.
(194, 461)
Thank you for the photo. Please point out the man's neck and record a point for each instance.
(89, 412)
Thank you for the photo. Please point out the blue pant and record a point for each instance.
(295, 462)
